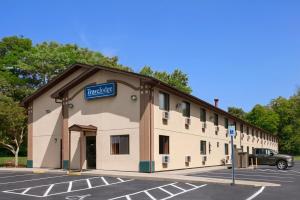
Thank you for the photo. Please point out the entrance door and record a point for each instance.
(91, 152)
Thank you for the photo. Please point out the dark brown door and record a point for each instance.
(91, 152)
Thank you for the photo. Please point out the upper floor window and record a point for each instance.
(226, 122)
(247, 130)
(202, 115)
(186, 109)
(216, 119)
(164, 99)
(242, 128)
(252, 132)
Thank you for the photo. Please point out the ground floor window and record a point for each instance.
(203, 147)
(226, 149)
(164, 145)
(119, 144)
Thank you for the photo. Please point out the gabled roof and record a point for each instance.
(51, 83)
(78, 127)
(153, 81)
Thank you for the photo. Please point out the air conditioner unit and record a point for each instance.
(188, 121)
(204, 125)
(165, 159)
(188, 159)
(204, 158)
(165, 115)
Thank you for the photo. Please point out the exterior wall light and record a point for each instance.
(70, 105)
(133, 97)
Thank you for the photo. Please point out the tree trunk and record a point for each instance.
(17, 158)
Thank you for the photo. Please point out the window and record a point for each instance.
(253, 149)
(164, 99)
(119, 144)
(248, 150)
(186, 109)
(252, 131)
(226, 122)
(226, 149)
(256, 133)
(247, 130)
(216, 119)
(242, 148)
(242, 128)
(203, 147)
(202, 115)
(164, 144)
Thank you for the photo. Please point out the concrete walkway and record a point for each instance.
(176, 175)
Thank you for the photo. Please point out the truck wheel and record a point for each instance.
(281, 165)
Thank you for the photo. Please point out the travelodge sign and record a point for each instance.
(100, 90)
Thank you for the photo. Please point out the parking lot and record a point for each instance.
(26, 185)
(288, 179)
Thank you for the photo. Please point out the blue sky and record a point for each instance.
(244, 52)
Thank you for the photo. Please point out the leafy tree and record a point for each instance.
(238, 112)
(288, 111)
(177, 78)
(12, 126)
(24, 67)
(264, 117)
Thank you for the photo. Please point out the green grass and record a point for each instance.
(297, 158)
(5, 160)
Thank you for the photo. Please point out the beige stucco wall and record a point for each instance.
(186, 142)
(47, 127)
(112, 116)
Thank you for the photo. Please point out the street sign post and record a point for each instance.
(231, 132)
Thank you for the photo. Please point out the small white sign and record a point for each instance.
(231, 130)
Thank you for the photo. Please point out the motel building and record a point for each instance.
(95, 117)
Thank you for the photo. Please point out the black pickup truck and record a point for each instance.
(265, 156)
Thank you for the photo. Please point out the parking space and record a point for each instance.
(262, 174)
(28, 186)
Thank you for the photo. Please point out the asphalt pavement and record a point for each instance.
(52, 186)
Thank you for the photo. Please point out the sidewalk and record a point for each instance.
(176, 175)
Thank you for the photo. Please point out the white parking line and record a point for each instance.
(252, 179)
(36, 179)
(103, 179)
(256, 193)
(253, 175)
(266, 172)
(162, 188)
(48, 190)
(17, 175)
(69, 183)
(70, 186)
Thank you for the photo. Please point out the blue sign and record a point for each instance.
(100, 91)
(231, 130)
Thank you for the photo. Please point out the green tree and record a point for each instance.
(25, 67)
(177, 78)
(264, 117)
(288, 111)
(238, 112)
(12, 126)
